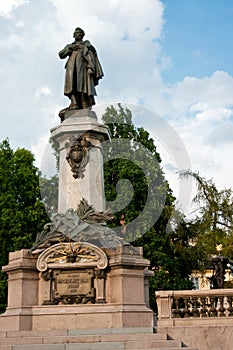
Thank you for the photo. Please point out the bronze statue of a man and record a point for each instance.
(83, 71)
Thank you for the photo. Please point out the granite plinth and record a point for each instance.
(125, 302)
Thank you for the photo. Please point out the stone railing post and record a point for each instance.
(164, 301)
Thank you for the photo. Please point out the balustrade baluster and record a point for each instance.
(203, 310)
(186, 307)
(195, 311)
(221, 307)
(230, 307)
(213, 310)
(177, 311)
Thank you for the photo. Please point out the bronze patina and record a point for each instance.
(83, 72)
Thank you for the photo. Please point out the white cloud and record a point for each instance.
(6, 7)
(43, 91)
(128, 38)
(44, 155)
(201, 112)
(113, 19)
(214, 114)
(214, 91)
(11, 42)
(204, 111)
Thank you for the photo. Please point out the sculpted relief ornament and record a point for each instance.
(77, 156)
(82, 225)
(73, 273)
(72, 255)
(71, 262)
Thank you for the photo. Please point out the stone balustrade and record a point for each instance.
(194, 303)
(199, 318)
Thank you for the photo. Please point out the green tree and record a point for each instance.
(213, 222)
(132, 156)
(146, 178)
(22, 213)
(49, 193)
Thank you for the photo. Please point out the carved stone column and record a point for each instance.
(82, 131)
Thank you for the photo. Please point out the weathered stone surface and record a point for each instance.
(122, 308)
(84, 124)
(204, 337)
(115, 338)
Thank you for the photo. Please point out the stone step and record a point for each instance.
(105, 339)
(93, 346)
(73, 336)
(65, 347)
(152, 344)
(77, 332)
(84, 339)
(133, 342)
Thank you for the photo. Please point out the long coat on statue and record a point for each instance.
(83, 69)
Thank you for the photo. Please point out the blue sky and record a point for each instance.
(171, 57)
(197, 37)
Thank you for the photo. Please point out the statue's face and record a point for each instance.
(78, 34)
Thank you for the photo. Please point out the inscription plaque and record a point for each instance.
(72, 287)
(75, 283)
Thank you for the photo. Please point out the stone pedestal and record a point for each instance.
(83, 124)
(23, 281)
(124, 303)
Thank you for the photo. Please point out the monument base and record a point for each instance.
(59, 317)
(125, 303)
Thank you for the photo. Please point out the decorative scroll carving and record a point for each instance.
(77, 156)
(72, 255)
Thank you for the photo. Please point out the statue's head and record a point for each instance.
(79, 33)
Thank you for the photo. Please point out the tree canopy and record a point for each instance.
(168, 256)
(22, 213)
(213, 222)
